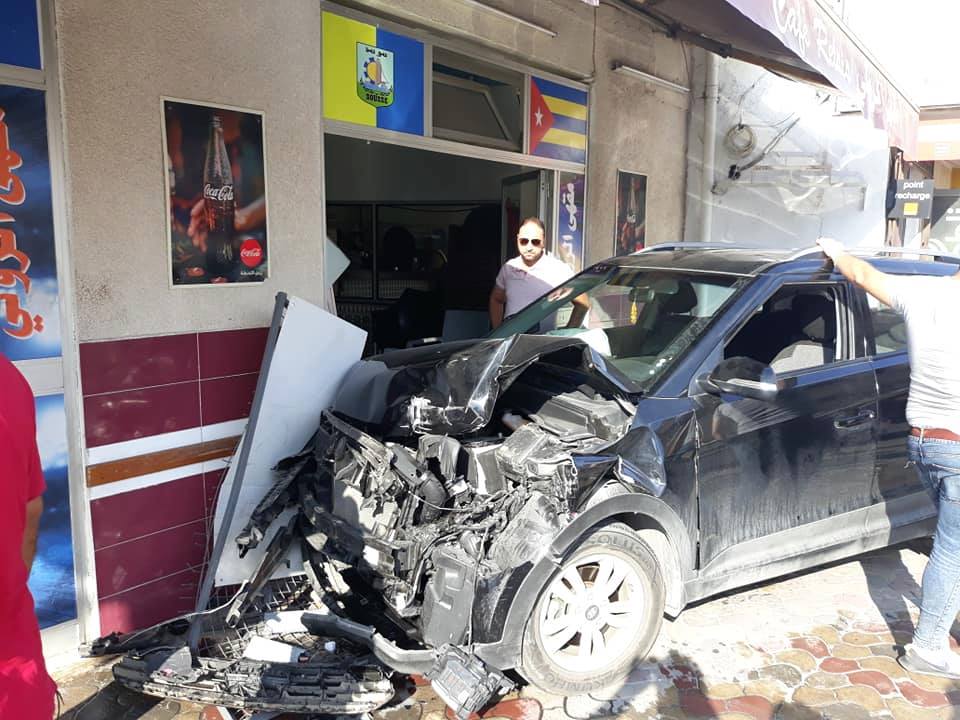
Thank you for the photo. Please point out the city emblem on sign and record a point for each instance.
(374, 75)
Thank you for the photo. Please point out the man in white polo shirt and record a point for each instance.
(530, 275)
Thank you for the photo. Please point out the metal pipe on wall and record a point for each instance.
(711, 97)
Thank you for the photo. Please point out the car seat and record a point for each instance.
(816, 319)
(670, 320)
(764, 335)
(893, 338)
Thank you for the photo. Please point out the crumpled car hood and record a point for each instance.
(452, 388)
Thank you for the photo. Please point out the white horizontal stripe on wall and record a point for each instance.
(163, 441)
(222, 430)
(142, 446)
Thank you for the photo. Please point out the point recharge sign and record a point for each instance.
(914, 199)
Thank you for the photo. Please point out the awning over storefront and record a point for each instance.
(799, 38)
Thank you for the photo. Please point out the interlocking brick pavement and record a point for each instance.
(816, 645)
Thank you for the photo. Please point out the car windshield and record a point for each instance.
(638, 318)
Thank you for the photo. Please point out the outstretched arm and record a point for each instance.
(858, 271)
(581, 304)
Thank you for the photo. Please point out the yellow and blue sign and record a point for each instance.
(558, 121)
(372, 76)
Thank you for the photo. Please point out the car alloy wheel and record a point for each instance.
(597, 615)
(591, 612)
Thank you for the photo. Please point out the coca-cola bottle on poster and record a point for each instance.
(218, 203)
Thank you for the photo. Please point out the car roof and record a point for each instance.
(754, 261)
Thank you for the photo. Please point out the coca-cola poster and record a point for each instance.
(216, 193)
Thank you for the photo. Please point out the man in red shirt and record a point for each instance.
(26, 691)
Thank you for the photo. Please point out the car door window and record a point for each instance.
(889, 328)
(794, 330)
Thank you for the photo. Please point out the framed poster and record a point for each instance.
(570, 220)
(216, 194)
(631, 213)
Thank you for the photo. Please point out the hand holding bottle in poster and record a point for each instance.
(250, 217)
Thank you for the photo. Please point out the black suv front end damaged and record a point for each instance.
(526, 507)
(428, 535)
(437, 530)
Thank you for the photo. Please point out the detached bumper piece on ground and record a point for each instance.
(288, 660)
(267, 660)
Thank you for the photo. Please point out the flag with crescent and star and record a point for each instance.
(558, 121)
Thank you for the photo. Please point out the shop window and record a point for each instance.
(409, 263)
(476, 103)
(437, 249)
(351, 228)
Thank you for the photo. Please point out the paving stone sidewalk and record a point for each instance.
(817, 645)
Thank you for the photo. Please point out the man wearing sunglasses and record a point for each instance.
(530, 275)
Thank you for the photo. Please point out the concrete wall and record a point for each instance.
(784, 215)
(117, 58)
(636, 126)
(633, 125)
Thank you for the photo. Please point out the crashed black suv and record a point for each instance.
(535, 501)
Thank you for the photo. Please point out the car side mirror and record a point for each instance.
(743, 376)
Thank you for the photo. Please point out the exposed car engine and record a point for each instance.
(432, 522)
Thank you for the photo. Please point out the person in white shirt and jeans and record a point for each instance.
(929, 306)
(530, 275)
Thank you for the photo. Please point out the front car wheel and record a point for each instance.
(599, 614)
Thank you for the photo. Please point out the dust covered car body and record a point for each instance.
(536, 500)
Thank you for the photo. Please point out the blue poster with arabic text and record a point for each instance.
(570, 220)
(29, 309)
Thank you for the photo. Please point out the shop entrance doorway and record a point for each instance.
(425, 233)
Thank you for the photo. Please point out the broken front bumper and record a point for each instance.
(270, 659)
(318, 686)
(298, 661)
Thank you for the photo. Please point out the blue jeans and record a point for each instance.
(938, 462)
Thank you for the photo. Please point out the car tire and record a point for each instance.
(556, 654)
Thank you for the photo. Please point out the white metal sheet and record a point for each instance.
(314, 352)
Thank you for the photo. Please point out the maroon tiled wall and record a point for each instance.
(227, 398)
(147, 386)
(150, 544)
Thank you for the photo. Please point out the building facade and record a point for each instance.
(170, 167)
(144, 378)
